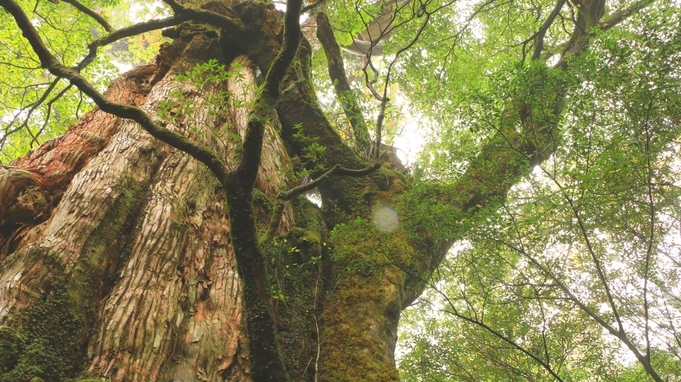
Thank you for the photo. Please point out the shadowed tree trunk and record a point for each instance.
(119, 257)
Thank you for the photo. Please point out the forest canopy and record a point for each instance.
(563, 117)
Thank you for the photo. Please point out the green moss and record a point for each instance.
(368, 277)
(295, 268)
(46, 342)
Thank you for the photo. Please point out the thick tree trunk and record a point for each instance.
(130, 239)
(116, 257)
(116, 254)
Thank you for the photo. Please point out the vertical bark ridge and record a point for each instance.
(54, 164)
(164, 282)
(176, 311)
(74, 254)
(85, 205)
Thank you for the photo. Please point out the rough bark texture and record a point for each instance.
(116, 254)
(134, 233)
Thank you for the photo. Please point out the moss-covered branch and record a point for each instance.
(526, 134)
(344, 93)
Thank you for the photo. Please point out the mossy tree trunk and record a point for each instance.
(116, 249)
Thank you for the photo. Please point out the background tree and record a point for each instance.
(165, 235)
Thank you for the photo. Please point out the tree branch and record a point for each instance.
(541, 33)
(622, 15)
(128, 32)
(337, 170)
(344, 93)
(49, 62)
(96, 16)
(478, 322)
(213, 18)
(264, 104)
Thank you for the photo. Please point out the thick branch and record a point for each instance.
(264, 103)
(541, 33)
(491, 174)
(227, 24)
(344, 92)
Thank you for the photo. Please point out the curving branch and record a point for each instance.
(538, 36)
(623, 14)
(541, 33)
(225, 23)
(52, 64)
(337, 170)
(94, 15)
(128, 32)
(312, 6)
(48, 114)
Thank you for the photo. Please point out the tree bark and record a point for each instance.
(135, 233)
(117, 260)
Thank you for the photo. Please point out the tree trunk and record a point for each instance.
(116, 256)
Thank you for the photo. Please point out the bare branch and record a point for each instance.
(312, 6)
(622, 15)
(96, 16)
(32, 108)
(128, 32)
(337, 170)
(48, 61)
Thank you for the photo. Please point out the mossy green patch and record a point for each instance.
(45, 342)
(295, 269)
(368, 276)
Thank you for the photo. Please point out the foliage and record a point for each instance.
(555, 279)
(600, 218)
(35, 106)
